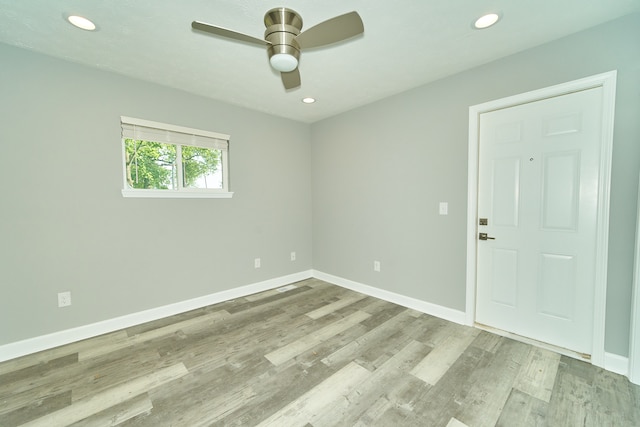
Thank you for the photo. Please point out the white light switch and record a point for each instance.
(444, 208)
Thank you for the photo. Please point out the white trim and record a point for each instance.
(616, 363)
(608, 83)
(442, 312)
(634, 333)
(177, 194)
(174, 128)
(45, 342)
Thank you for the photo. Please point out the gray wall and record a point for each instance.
(380, 171)
(65, 226)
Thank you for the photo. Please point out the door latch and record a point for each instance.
(485, 236)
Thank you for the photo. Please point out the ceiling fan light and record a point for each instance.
(283, 62)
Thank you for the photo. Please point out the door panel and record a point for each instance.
(505, 273)
(538, 189)
(506, 182)
(561, 187)
(557, 286)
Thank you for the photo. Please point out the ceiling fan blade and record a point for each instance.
(331, 31)
(291, 80)
(230, 34)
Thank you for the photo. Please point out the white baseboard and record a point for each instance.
(616, 363)
(405, 301)
(45, 342)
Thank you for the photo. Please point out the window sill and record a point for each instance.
(173, 194)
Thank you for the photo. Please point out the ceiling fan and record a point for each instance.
(284, 39)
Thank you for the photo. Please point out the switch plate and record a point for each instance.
(444, 208)
(256, 263)
(293, 256)
(376, 266)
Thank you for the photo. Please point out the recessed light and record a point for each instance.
(486, 21)
(308, 100)
(81, 22)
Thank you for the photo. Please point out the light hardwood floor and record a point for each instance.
(316, 355)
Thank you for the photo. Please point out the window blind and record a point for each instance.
(147, 130)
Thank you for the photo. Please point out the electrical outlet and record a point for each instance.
(293, 256)
(256, 263)
(64, 299)
(376, 265)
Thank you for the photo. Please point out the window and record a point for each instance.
(161, 160)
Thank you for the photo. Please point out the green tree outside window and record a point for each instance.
(153, 165)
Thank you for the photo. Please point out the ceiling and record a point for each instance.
(406, 43)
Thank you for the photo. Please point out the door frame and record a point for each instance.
(608, 83)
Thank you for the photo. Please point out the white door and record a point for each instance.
(538, 180)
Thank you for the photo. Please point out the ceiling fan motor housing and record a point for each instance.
(283, 25)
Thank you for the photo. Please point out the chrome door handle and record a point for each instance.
(484, 236)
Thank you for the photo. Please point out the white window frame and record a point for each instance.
(173, 133)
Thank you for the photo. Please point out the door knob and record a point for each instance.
(484, 236)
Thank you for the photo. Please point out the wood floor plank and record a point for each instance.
(421, 329)
(455, 423)
(255, 334)
(265, 294)
(523, 410)
(295, 348)
(572, 397)
(9, 379)
(318, 352)
(492, 384)
(321, 399)
(271, 300)
(330, 308)
(368, 347)
(106, 399)
(97, 378)
(538, 373)
(57, 352)
(436, 330)
(259, 335)
(203, 321)
(204, 396)
(119, 413)
(437, 404)
(276, 386)
(611, 400)
(204, 410)
(379, 315)
(35, 409)
(374, 412)
(438, 361)
(349, 411)
(164, 321)
(487, 341)
(72, 377)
